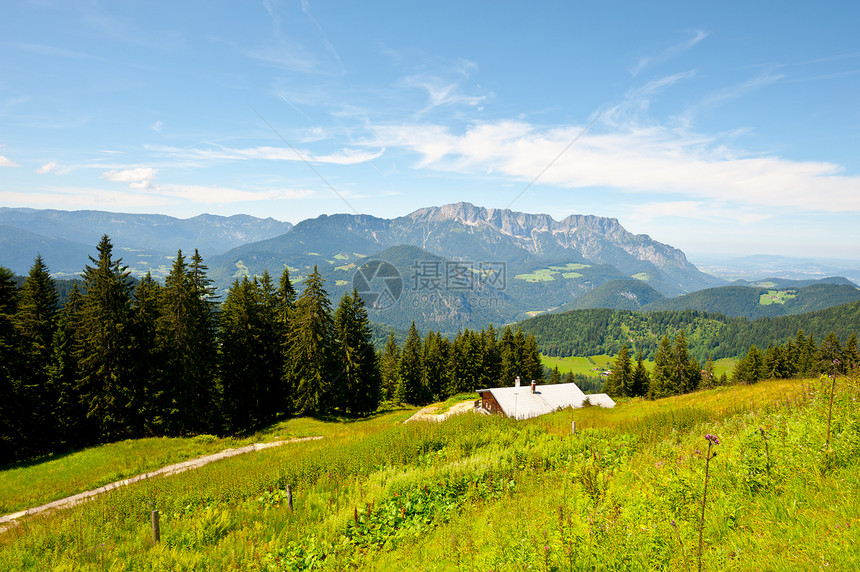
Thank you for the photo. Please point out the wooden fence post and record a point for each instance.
(156, 531)
(573, 427)
(290, 496)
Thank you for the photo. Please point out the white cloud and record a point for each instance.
(6, 162)
(635, 159)
(671, 52)
(157, 126)
(138, 178)
(142, 179)
(265, 152)
(47, 167)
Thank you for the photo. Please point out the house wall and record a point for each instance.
(489, 403)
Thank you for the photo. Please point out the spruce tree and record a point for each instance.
(686, 371)
(829, 356)
(492, 358)
(105, 346)
(509, 367)
(661, 377)
(389, 365)
(241, 379)
(311, 348)
(531, 362)
(186, 337)
(436, 356)
(358, 381)
(851, 356)
(275, 305)
(641, 378)
(35, 321)
(11, 433)
(620, 382)
(148, 358)
(70, 411)
(555, 376)
(410, 389)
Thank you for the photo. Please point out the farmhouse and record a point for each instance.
(527, 402)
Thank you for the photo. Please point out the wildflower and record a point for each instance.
(712, 438)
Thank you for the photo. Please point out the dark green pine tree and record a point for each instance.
(804, 361)
(709, 378)
(851, 356)
(829, 356)
(641, 378)
(620, 382)
(410, 388)
(275, 303)
(436, 355)
(661, 376)
(389, 366)
(35, 321)
(465, 363)
(357, 381)
(11, 421)
(186, 338)
(71, 410)
(492, 358)
(240, 365)
(509, 367)
(104, 347)
(311, 356)
(285, 300)
(750, 368)
(688, 372)
(150, 397)
(531, 362)
(555, 376)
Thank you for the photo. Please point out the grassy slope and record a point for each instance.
(481, 492)
(587, 365)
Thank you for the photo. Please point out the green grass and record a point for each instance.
(486, 493)
(541, 275)
(777, 297)
(595, 364)
(643, 276)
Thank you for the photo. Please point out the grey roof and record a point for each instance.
(521, 403)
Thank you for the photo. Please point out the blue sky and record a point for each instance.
(722, 128)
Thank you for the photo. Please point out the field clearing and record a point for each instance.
(481, 492)
(587, 365)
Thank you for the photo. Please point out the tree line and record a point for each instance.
(124, 358)
(676, 372)
(603, 331)
(435, 368)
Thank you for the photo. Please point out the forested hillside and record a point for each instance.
(602, 331)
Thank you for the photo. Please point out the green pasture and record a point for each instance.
(481, 492)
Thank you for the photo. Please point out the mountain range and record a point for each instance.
(446, 267)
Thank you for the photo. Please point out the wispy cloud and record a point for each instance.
(668, 53)
(644, 160)
(157, 126)
(343, 157)
(720, 96)
(142, 180)
(6, 162)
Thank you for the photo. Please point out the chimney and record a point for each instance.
(534, 384)
(517, 382)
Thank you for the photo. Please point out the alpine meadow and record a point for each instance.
(296, 285)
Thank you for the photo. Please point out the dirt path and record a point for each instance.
(8, 520)
(426, 414)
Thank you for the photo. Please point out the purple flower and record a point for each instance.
(712, 438)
